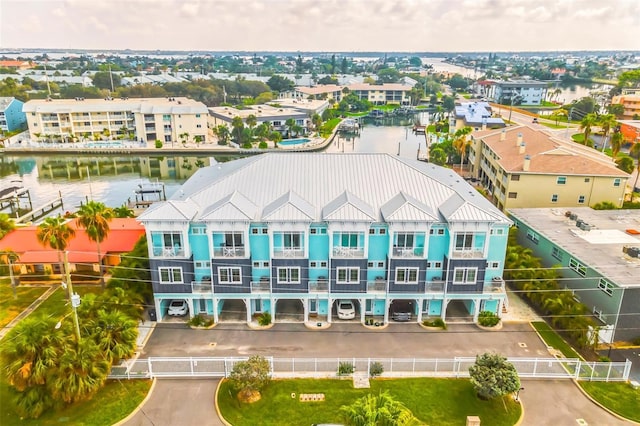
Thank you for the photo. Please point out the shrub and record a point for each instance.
(200, 321)
(263, 145)
(436, 322)
(158, 143)
(493, 376)
(250, 377)
(345, 368)
(604, 359)
(264, 318)
(376, 369)
(488, 319)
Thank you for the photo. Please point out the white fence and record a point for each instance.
(542, 368)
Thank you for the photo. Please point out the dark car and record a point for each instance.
(535, 120)
(401, 310)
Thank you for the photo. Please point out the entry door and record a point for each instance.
(202, 306)
(313, 306)
(368, 307)
(257, 305)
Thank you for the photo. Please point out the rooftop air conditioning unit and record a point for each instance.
(573, 216)
(585, 226)
(579, 222)
(633, 251)
(496, 279)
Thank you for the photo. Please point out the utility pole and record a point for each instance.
(10, 258)
(566, 132)
(73, 297)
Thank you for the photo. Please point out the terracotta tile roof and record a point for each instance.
(123, 235)
(548, 155)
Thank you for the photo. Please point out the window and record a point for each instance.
(434, 265)
(265, 231)
(616, 182)
(313, 231)
(292, 240)
(203, 264)
(257, 264)
(170, 275)
(465, 275)
(321, 231)
(436, 231)
(468, 241)
(587, 180)
(533, 236)
(578, 267)
(372, 231)
(497, 231)
(383, 231)
(198, 230)
(605, 286)
(515, 177)
(555, 252)
(233, 239)
(404, 240)
(406, 275)
(255, 231)
(197, 115)
(348, 275)
(581, 199)
(288, 275)
(370, 264)
(493, 265)
(347, 239)
(231, 275)
(265, 264)
(317, 264)
(513, 195)
(561, 180)
(554, 198)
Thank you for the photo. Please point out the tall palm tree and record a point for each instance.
(94, 217)
(222, 133)
(115, 333)
(290, 124)
(635, 153)
(381, 409)
(557, 114)
(6, 224)
(461, 142)
(586, 124)
(616, 144)
(8, 257)
(123, 212)
(607, 122)
(251, 121)
(55, 233)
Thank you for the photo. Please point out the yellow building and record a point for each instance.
(631, 104)
(138, 119)
(524, 167)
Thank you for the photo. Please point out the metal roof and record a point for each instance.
(342, 187)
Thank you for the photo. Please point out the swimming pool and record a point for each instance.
(294, 141)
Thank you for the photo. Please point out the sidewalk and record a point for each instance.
(26, 312)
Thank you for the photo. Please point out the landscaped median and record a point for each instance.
(432, 401)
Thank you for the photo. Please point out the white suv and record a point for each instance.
(346, 310)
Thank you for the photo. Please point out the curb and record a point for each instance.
(139, 407)
(602, 406)
(215, 404)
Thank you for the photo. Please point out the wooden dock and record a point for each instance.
(42, 210)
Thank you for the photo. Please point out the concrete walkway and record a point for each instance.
(6, 329)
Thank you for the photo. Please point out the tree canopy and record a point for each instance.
(493, 376)
(278, 83)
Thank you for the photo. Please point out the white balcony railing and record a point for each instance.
(224, 251)
(262, 286)
(347, 252)
(467, 254)
(319, 286)
(168, 252)
(288, 252)
(377, 286)
(408, 252)
(495, 286)
(435, 286)
(201, 287)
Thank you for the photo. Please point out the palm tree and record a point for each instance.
(559, 113)
(316, 119)
(222, 133)
(607, 122)
(123, 212)
(635, 153)
(8, 257)
(289, 124)
(251, 121)
(238, 127)
(115, 333)
(461, 143)
(94, 217)
(55, 233)
(616, 144)
(6, 224)
(587, 122)
(381, 409)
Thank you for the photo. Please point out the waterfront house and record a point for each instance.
(524, 167)
(11, 116)
(477, 115)
(518, 92)
(293, 234)
(598, 255)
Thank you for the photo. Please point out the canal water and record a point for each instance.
(114, 180)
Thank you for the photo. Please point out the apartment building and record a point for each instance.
(477, 115)
(523, 167)
(631, 104)
(520, 92)
(377, 94)
(294, 234)
(597, 253)
(11, 116)
(140, 119)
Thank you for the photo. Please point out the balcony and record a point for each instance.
(377, 286)
(288, 252)
(348, 252)
(320, 286)
(224, 251)
(201, 286)
(467, 254)
(168, 251)
(408, 252)
(495, 286)
(435, 286)
(262, 286)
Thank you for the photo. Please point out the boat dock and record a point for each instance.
(42, 210)
(147, 194)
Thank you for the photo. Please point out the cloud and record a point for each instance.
(189, 9)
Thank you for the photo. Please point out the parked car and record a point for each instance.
(535, 120)
(346, 310)
(178, 308)
(401, 310)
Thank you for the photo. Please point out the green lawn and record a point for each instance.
(10, 307)
(433, 401)
(111, 404)
(56, 304)
(551, 338)
(328, 126)
(553, 125)
(620, 398)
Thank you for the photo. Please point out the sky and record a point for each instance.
(322, 25)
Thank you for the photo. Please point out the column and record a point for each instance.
(247, 304)
(190, 305)
(386, 311)
(215, 309)
(476, 309)
(330, 307)
(363, 308)
(420, 304)
(443, 310)
(305, 307)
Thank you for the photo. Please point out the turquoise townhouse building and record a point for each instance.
(11, 116)
(292, 234)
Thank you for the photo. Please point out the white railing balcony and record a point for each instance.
(168, 252)
(288, 252)
(408, 252)
(229, 252)
(346, 252)
(377, 286)
(262, 286)
(495, 286)
(201, 287)
(467, 254)
(435, 286)
(320, 286)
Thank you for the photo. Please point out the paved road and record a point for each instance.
(179, 402)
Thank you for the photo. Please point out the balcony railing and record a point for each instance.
(260, 286)
(467, 254)
(434, 286)
(408, 252)
(201, 287)
(168, 252)
(288, 252)
(320, 286)
(348, 252)
(377, 286)
(229, 252)
(495, 286)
